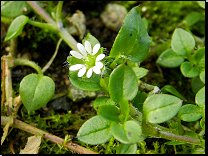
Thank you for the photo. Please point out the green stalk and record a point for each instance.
(43, 25)
(61, 31)
(20, 61)
(58, 14)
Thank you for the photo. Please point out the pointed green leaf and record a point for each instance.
(188, 70)
(95, 131)
(132, 40)
(196, 84)
(172, 90)
(199, 56)
(123, 83)
(140, 72)
(139, 100)
(170, 59)
(100, 101)
(159, 108)
(109, 112)
(91, 39)
(35, 91)
(193, 18)
(16, 27)
(182, 42)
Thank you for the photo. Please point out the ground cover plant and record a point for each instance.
(128, 113)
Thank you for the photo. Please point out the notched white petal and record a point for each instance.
(88, 47)
(99, 65)
(100, 57)
(96, 70)
(89, 73)
(76, 54)
(95, 49)
(82, 49)
(76, 67)
(82, 72)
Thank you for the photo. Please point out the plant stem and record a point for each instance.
(41, 12)
(155, 130)
(58, 14)
(28, 128)
(20, 61)
(43, 25)
(61, 31)
(53, 57)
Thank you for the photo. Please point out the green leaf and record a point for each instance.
(193, 18)
(132, 40)
(84, 83)
(199, 56)
(189, 113)
(182, 42)
(201, 4)
(123, 83)
(109, 112)
(170, 59)
(95, 131)
(35, 91)
(139, 100)
(172, 90)
(100, 101)
(13, 9)
(133, 131)
(91, 39)
(202, 76)
(159, 108)
(125, 109)
(126, 149)
(188, 70)
(196, 84)
(128, 133)
(104, 81)
(16, 27)
(200, 97)
(140, 72)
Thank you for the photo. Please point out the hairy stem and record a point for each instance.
(28, 128)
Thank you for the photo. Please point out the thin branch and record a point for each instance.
(53, 57)
(41, 12)
(28, 128)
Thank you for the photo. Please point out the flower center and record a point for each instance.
(90, 61)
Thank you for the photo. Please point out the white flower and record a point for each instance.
(94, 65)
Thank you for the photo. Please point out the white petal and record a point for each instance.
(82, 49)
(82, 72)
(100, 57)
(89, 73)
(95, 49)
(76, 67)
(88, 47)
(99, 65)
(96, 70)
(76, 54)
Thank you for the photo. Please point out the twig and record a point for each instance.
(53, 57)
(41, 12)
(28, 128)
